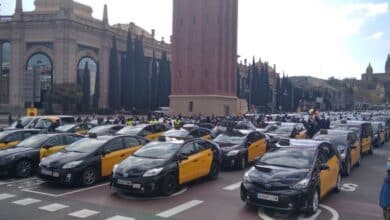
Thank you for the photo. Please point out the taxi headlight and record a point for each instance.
(72, 164)
(233, 153)
(301, 184)
(153, 172)
(247, 178)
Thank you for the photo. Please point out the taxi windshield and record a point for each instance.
(86, 145)
(158, 150)
(24, 122)
(34, 141)
(99, 129)
(64, 128)
(177, 133)
(229, 139)
(299, 158)
(129, 131)
(335, 139)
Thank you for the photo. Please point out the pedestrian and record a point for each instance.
(10, 119)
(19, 124)
(384, 200)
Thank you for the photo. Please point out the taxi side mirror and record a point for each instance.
(182, 157)
(324, 167)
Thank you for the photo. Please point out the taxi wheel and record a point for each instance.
(169, 185)
(314, 202)
(338, 184)
(214, 171)
(24, 168)
(89, 176)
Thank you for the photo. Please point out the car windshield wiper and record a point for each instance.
(146, 156)
(76, 151)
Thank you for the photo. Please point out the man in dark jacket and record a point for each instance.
(384, 200)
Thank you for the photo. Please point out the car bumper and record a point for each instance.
(231, 161)
(288, 200)
(61, 176)
(137, 185)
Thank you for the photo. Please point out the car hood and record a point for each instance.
(14, 150)
(58, 159)
(137, 166)
(275, 175)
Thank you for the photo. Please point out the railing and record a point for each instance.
(5, 18)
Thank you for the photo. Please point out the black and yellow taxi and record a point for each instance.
(240, 147)
(278, 130)
(293, 178)
(149, 131)
(88, 160)
(23, 159)
(348, 145)
(364, 131)
(183, 134)
(379, 132)
(11, 138)
(161, 167)
(79, 128)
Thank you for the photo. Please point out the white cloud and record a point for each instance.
(376, 36)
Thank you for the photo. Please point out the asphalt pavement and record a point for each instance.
(218, 200)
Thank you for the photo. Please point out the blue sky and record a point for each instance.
(321, 38)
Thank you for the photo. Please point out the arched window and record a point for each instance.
(86, 79)
(5, 53)
(40, 65)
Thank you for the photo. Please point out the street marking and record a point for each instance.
(53, 207)
(118, 217)
(335, 214)
(30, 190)
(17, 181)
(27, 201)
(349, 187)
(263, 216)
(180, 208)
(233, 186)
(6, 196)
(84, 213)
(313, 217)
(30, 184)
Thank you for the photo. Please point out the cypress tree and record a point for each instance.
(123, 82)
(86, 88)
(154, 82)
(114, 88)
(96, 96)
(164, 82)
(130, 68)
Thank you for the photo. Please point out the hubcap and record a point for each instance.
(89, 177)
(24, 168)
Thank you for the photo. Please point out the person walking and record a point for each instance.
(384, 200)
(10, 119)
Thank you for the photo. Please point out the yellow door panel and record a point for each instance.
(205, 161)
(206, 137)
(355, 153)
(130, 150)
(154, 136)
(82, 132)
(334, 167)
(44, 152)
(366, 142)
(301, 135)
(256, 149)
(109, 160)
(9, 144)
(191, 168)
(324, 176)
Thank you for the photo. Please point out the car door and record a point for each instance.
(51, 146)
(149, 133)
(205, 154)
(205, 135)
(132, 144)
(366, 139)
(112, 153)
(355, 153)
(256, 146)
(334, 166)
(324, 174)
(11, 139)
(189, 167)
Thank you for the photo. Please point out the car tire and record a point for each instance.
(242, 163)
(315, 201)
(347, 168)
(338, 184)
(88, 177)
(169, 185)
(214, 171)
(24, 168)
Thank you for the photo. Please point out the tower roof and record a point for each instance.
(369, 69)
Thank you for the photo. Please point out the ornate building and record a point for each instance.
(204, 57)
(55, 42)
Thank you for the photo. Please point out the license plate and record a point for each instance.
(267, 197)
(47, 172)
(124, 182)
(136, 186)
(56, 174)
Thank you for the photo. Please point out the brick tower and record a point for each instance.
(204, 57)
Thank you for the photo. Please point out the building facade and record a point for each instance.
(204, 57)
(52, 44)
